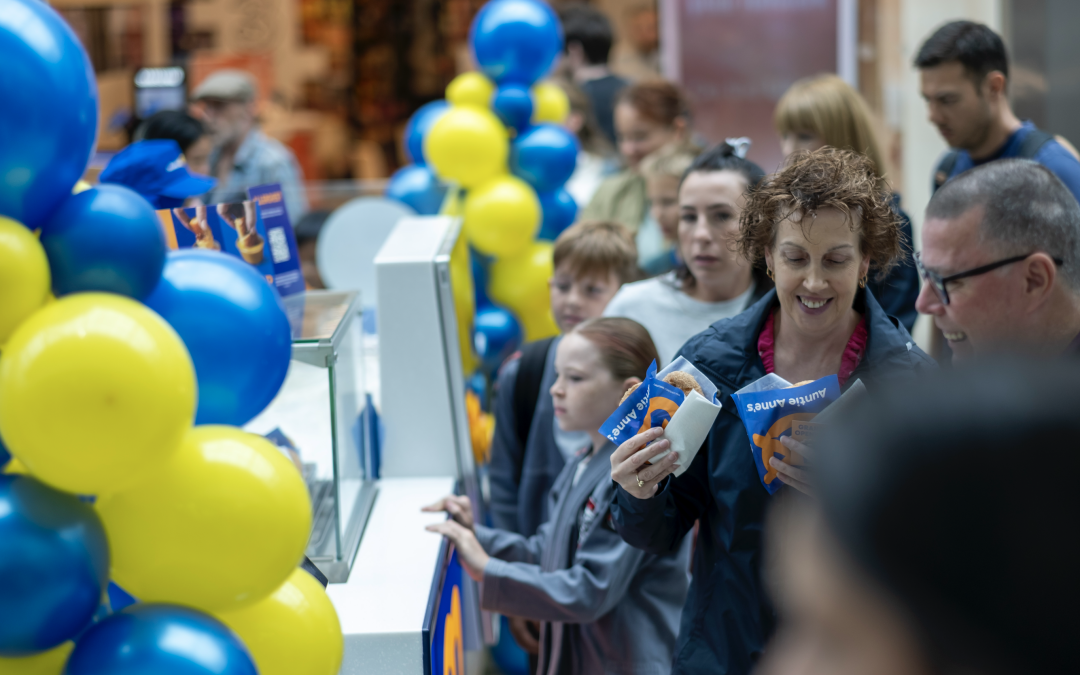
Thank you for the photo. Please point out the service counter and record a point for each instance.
(376, 421)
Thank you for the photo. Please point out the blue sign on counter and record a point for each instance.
(447, 647)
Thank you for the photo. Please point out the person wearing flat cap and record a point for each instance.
(244, 156)
(157, 170)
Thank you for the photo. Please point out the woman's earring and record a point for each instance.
(862, 282)
(769, 273)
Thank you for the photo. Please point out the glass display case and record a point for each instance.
(320, 415)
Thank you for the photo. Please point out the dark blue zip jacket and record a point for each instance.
(728, 618)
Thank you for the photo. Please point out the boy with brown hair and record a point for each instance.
(592, 260)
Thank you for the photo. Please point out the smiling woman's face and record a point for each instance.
(817, 270)
(710, 203)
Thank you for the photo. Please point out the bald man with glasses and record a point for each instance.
(1000, 262)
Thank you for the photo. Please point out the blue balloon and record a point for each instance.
(417, 127)
(544, 156)
(507, 655)
(54, 564)
(514, 105)
(480, 264)
(48, 121)
(160, 639)
(496, 336)
(107, 238)
(559, 211)
(417, 186)
(235, 328)
(118, 597)
(516, 40)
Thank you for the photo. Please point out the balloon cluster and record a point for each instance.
(497, 140)
(110, 349)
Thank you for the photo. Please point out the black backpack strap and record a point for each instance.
(527, 386)
(1033, 142)
(945, 168)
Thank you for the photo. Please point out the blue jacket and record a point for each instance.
(728, 618)
(1052, 155)
(897, 292)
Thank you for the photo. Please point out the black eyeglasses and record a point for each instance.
(938, 281)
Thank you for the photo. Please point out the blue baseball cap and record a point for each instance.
(156, 170)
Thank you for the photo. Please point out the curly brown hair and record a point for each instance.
(829, 177)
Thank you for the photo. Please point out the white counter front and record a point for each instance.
(382, 605)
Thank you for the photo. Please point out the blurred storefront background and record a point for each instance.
(339, 78)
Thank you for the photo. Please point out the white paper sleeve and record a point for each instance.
(688, 428)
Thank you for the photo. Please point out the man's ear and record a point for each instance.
(994, 84)
(1040, 273)
(629, 382)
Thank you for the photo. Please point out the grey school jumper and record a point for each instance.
(604, 606)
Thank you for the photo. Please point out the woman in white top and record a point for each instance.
(712, 281)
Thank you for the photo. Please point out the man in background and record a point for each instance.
(964, 71)
(244, 156)
(588, 46)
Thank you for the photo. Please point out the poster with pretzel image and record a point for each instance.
(236, 229)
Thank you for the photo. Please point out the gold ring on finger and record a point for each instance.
(640, 483)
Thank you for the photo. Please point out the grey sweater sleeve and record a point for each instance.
(512, 546)
(590, 588)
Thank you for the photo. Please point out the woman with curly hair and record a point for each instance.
(821, 226)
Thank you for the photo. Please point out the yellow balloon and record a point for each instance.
(451, 205)
(24, 275)
(220, 526)
(467, 145)
(96, 391)
(521, 285)
(461, 281)
(51, 662)
(539, 325)
(550, 103)
(295, 631)
(470, 89)
(14, 466)
(502, 216)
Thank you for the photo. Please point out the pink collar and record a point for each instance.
(853, 352)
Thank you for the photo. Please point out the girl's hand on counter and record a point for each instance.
(629, 466)
(459, 508)
(470, 554)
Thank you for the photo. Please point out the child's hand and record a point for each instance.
(471, 555)
(628, 463)
(459, 508)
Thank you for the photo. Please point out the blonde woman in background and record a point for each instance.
(824, 110)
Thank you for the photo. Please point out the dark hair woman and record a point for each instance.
(648, 116)
(819, 225)
(712, 281)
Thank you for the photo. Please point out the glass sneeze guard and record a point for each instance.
(318, 409)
